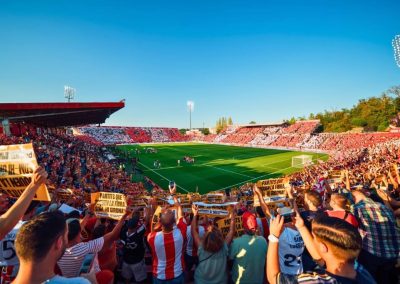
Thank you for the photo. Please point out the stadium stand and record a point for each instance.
(111, 135)
(76, 165)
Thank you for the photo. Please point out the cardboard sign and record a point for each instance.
(64, 194)
(214, 198)
(271, 189)
(216, 209)
(335, 176)
(225, 224)
(156, 216)
(17, 163)
(109, 205)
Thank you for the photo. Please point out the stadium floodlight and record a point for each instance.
(190, 105)
(69, 93)
(396, 47)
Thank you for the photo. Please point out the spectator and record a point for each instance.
(191, 253)
(212, 252)
(71, 261)
(39, 244)
(334, 241)
(13, 215)
(291, 246)
(133, 265)
(340, 209)
(380, 238)
(168, 246)
(248, 253)
(312, 204)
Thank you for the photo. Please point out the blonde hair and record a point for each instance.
(341, 201)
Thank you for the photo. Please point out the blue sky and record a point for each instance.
(252, 60)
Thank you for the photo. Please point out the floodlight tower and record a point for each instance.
(190, 105)
(69, 93)
(396, 47)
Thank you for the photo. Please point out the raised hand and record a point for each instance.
(39, 176)
(299, 222)
(276, 226)
(195, 209)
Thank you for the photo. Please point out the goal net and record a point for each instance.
(301, 161)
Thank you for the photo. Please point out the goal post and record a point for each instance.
(301, 161)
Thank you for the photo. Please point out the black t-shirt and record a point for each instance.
(133, 251)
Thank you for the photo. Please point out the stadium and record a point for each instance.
(124, 181)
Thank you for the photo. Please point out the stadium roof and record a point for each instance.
(279, 123)
(59, 114)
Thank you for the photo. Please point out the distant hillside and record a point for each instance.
(372, 114)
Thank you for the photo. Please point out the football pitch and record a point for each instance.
(216, 167)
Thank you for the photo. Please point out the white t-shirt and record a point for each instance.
(8, 256)
(291, 247)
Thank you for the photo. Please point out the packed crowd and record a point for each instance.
(109, 135)
(300, 135)
(334, 232)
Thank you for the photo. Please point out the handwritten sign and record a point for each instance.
(17, 164)
(109, 205)
(225, 224)
(271, 189)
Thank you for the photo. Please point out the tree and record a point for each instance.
(371, 114)
(222, 123)
(205, 131)
(252, 122)
(395, 90)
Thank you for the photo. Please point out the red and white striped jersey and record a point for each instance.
(263, 227)
(191, 248)
(167, 250)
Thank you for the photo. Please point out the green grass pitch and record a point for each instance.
(216, 166)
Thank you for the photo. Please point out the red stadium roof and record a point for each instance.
(59, 114)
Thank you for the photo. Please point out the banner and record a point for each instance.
(17, 163)
(216, 209)
(109, 205)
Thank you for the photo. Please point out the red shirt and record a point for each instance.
(347, 216)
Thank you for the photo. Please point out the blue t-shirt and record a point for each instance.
(64, 280)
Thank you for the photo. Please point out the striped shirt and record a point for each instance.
(168, 250)
(377, 227)
(191, 248)
(71, 262)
